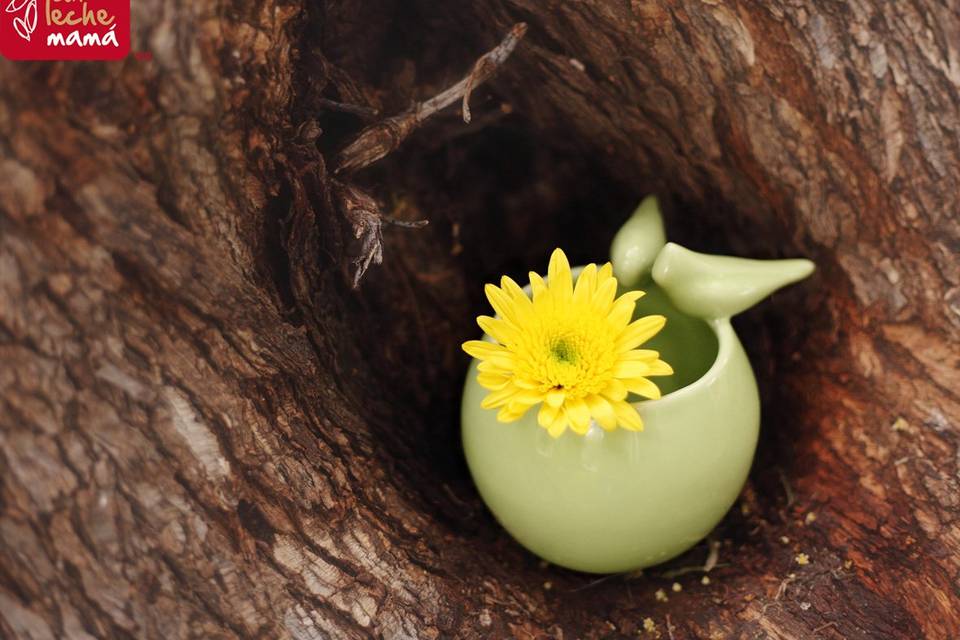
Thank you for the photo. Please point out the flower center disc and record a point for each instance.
(563, 351)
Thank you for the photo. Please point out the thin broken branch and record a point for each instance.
(363, 212)
(682, 571)
(711, 563)
(713, 556)
(824, 627)
(782, 589)
(378, 140)
(359, 110)
(670, 627)
(787, 489)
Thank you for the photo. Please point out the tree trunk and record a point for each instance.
(205, 431)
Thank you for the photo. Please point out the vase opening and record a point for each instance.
(688, 344)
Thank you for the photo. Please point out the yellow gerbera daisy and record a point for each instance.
(572, 350)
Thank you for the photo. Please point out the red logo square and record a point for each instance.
(64, 29)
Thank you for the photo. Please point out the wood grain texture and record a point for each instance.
(205, 432)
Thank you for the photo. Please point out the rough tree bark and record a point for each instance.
(205, 432)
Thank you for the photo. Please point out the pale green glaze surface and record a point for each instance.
(617, 501)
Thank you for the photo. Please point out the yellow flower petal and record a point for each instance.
(507, 414)
(480, 349)
(520, 407)
(643, 387)
(522, 307)
(641, 355)
(559, 277)
(502, 304)
(547, 415)
(606, 271)
(615, 390)
(525, 384)
(492, 381)
(660, 368)
(631, 369)
(578, 414)
(503, 360)
(604, 295)
(602, 412)
(586, 284)
(537, 285)
(512, 289)
(559, 426)
(627, 416)
(639, 331)
(498, 398)
(623, 308)
(486, 366)
(555, 397)
(528, 397)
(498, 330)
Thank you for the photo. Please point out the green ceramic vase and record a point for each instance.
(618, 501)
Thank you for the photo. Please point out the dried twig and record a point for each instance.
(711, 563)
(824, 627)
(362, 111)
(713, 556)
(682, 571)
(782, 589)
(787, 489)
(364, 215)
(594, 583)
(377, 140)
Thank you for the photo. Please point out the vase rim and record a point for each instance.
(725, 335)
